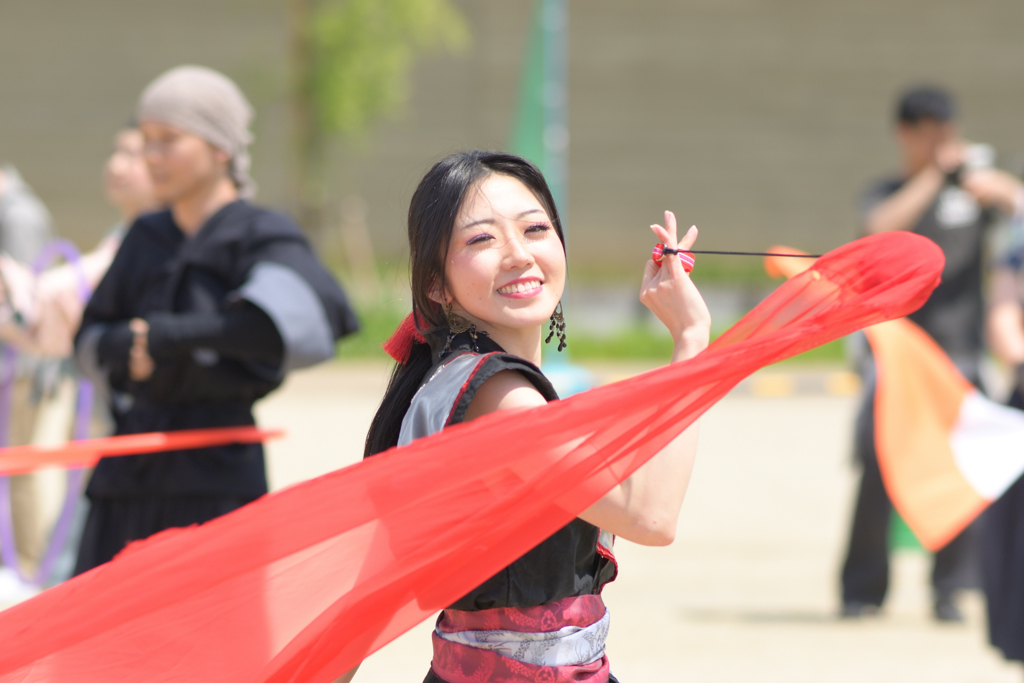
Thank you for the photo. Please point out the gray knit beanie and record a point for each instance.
(208, 104)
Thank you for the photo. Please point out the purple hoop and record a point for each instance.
(83, 411)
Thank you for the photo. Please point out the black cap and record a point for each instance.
(927, 102)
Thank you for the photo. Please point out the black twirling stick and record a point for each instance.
(660, 250)
(746, 253)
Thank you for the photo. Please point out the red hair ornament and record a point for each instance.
(399, 344)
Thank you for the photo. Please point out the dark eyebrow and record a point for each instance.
(485, 221)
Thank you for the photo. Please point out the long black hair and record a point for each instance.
(432, 212)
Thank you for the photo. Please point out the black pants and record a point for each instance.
(1002, 554)
(115, 522)
(865, 576)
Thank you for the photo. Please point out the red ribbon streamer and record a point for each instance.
(304, 583)
(87, 452)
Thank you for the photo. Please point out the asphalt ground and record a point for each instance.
(748, 591)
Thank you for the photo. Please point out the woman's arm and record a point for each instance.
(243, 332)
(644, 508)
(105, 337)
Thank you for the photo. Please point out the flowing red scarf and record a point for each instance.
(304, 583)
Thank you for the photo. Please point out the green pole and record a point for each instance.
(555, 101)
(528, 126)
(541, 131)
(541, 134)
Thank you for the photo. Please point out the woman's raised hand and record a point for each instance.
(671, 295)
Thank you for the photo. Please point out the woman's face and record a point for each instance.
(126, 177)
(506, 266)
(180, 163)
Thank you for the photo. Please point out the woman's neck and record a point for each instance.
(194, 209)
(525, 343)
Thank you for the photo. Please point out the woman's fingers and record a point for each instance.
(670, 224)
(688, 239)
(668, 236)
(663, 236)
(668, 239)
(650, 273)
(668, 291)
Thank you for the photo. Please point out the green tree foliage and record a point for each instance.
(352, 63)
(363, 51)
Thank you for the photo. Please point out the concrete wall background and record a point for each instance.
(758, 120)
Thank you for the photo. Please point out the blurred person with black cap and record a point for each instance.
(948, 192)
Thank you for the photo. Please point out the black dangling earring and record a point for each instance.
(557, 328)
(456, 326)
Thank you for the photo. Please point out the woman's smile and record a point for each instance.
(523, 288)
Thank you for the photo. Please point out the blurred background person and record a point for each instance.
(1002, 524)
(944, 194)
(41, 312)
(205, 308)
(25, 229)
(59, 304)
(126, 179)
(25, 225)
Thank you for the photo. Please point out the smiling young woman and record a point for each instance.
(488, 272)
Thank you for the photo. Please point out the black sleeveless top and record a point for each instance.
(576, 559)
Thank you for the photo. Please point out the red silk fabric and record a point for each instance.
(304, 583)
(87, 452)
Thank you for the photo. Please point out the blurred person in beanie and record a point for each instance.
(205, 308)
(945, 194)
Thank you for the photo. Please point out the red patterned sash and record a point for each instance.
(459, 663)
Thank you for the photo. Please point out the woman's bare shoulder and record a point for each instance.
(506, 390)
